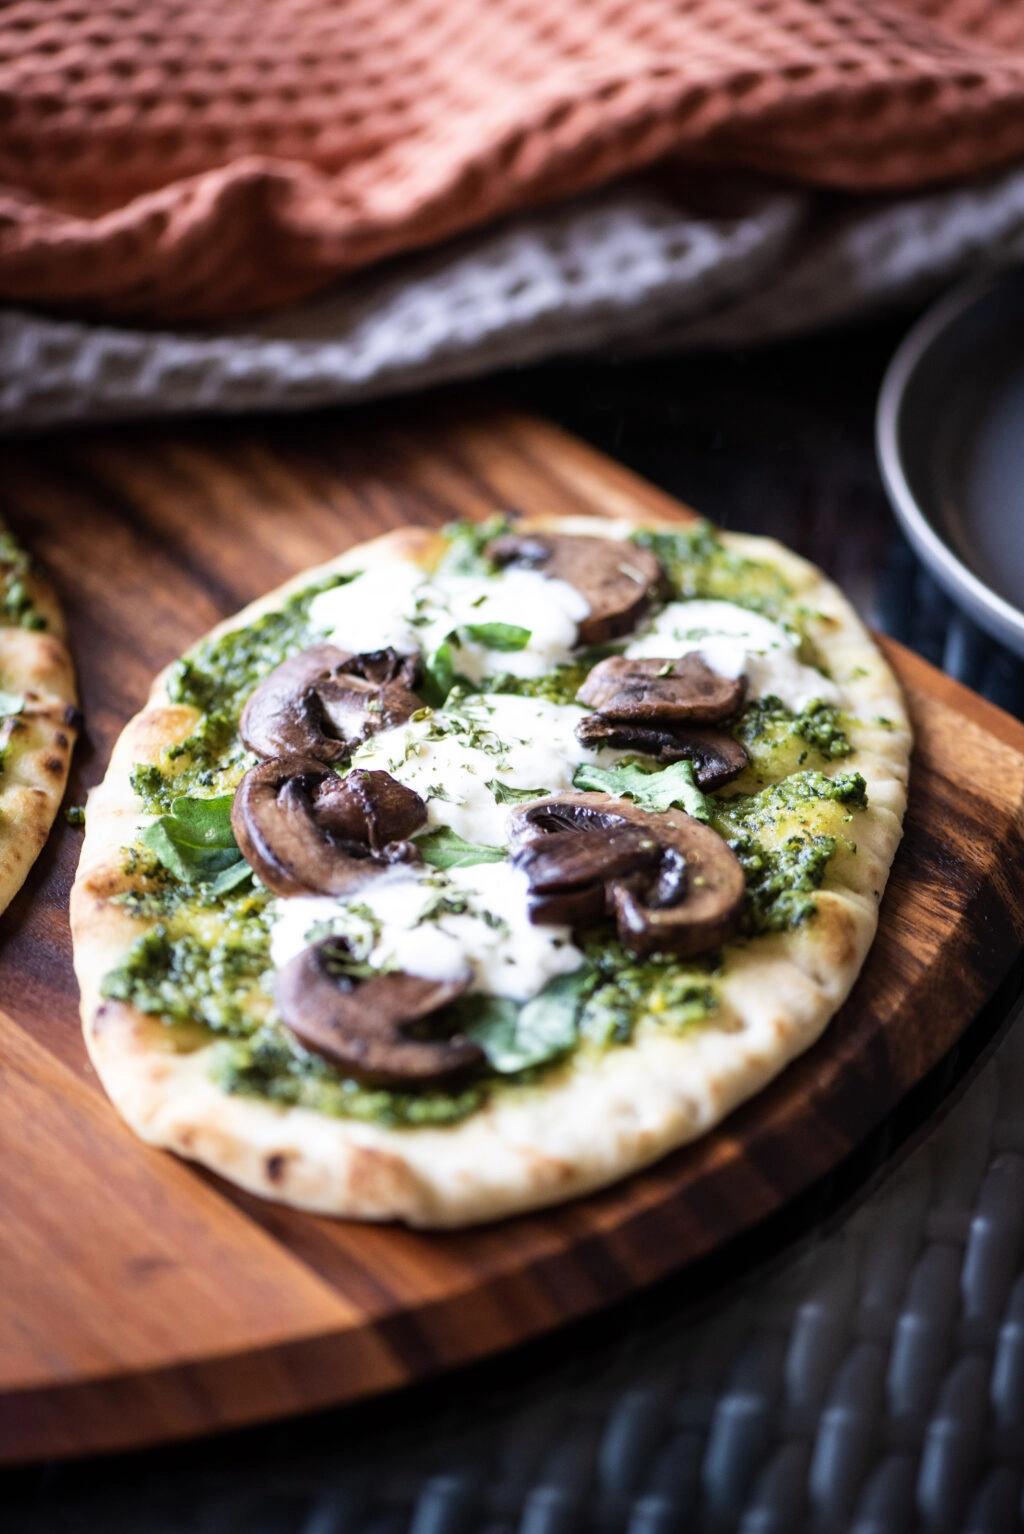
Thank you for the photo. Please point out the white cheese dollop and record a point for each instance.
(492, 943)
(397, 604)
(372, 611)
(451, 755)
(736, 642)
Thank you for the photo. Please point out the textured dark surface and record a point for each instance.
(851, 1370)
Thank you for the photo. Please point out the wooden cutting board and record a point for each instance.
(142, 1299)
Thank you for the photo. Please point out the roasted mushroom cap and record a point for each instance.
(307, 831)
(359, 1025)
(325, 701)
(716, 757)
(568, 872)
(684, 899)
(616, 579)
(682, 691)
(666, 709)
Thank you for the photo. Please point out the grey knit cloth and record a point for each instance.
(631, 269)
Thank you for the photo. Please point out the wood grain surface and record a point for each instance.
(143, 1299)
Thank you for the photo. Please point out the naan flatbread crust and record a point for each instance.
(585, 1125)
(37, 741)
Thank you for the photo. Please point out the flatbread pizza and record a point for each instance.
(39, 718)
(477, 869)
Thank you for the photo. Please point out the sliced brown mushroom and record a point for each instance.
(305, 830)
(360, 1025)
(683, 900)
(648, 691)
(716, 757)
(568, 872)
(617, 579)
(371, 807)
(325, 701)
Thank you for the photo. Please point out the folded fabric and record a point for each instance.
(624, 269)
(177, 160)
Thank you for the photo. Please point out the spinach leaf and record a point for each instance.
(503, 794)
(231, 877)
(445, 848)
(10, 703)
(467, 542)
(515, 1038)
(439, 673)
(196, 844)
(438, 676)
(670, 787)
(497, 636)
(204, 822)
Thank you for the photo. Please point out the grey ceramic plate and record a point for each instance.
(950, 435)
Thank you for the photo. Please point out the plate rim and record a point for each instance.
(1000, 618)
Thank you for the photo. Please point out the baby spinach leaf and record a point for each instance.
(671, 787)
(196, 844)
(467, 542)
(497, 636)
(204, 822)
(503, 794)
(230, 878)
(438, 676)
(515, 1038)
(445, 848)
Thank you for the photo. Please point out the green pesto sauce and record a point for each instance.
(778, 742)
(659, 988)
(698, 564)
(204, 960)
(791, 797)
(17, 608)
(466, 544)
(269, 1065)
(781, 879)
(217, 677)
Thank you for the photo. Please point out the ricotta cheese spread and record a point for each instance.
(467, 922)
(460, 757)
(401, 606)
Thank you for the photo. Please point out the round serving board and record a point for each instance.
(143, 1299)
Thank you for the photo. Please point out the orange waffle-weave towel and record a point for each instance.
(190, 159)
